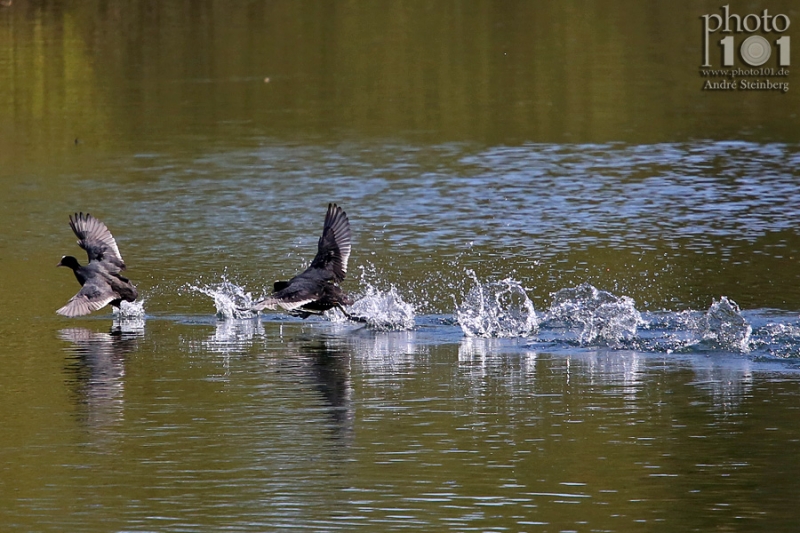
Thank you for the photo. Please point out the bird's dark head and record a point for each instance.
(69, 261)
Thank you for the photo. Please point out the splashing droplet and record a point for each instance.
(597, 315)
(383, 310)
(496, 309)
(724, 327)
(230, 300)
(129, 310)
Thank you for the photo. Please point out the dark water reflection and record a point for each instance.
(492, 72)
(323, 426)
(98, 369)
(512, 438)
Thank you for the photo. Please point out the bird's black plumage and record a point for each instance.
(101, 282)
(316, 289)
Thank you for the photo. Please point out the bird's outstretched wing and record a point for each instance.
(94, 237)
(333, 249)
(297, 293)
(91, 297)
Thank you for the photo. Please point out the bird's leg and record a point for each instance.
(352, 318)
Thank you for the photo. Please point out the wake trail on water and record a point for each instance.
(589, 317)
(583, 316)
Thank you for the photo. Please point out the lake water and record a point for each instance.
(578, 270)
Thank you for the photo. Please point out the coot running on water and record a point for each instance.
(101, 281)
(316, 289)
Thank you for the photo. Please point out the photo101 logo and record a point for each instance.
(763, 47)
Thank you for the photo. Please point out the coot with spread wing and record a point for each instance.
(101, 281)
(316, 289)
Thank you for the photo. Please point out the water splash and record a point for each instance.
(129, 311)
(596, 315)
(381, 310)
(780, 340)
(230, 300)
(496, 309)
(668, 331)
(724, 327)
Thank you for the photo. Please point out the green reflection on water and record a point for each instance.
(141, 73)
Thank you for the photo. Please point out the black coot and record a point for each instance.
(316, 289)
(100, 279)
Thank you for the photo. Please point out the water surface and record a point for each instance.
(579, 270)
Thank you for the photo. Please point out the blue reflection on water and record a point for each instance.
(564, 195)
